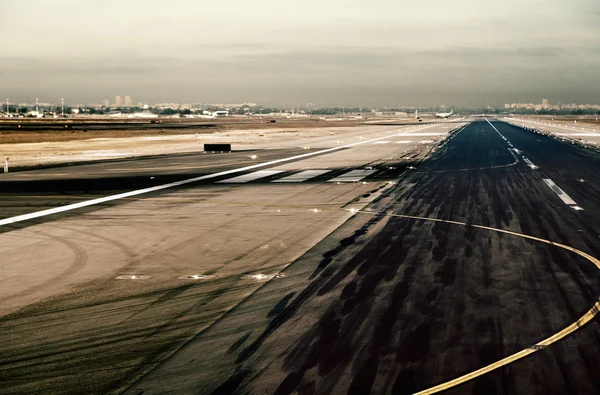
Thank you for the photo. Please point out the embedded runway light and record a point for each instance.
(353, 210)
(577, 208)
(315, 210)
(261, 276)
(253, 157)
(256, 276)
(195, 277)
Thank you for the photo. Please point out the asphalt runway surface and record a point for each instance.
(394, 283)
(62, 305)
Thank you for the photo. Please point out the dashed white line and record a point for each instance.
(561, 194)
(529, 163)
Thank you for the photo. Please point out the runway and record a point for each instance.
(387, 267)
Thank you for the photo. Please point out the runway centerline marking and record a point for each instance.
(93, 202)
(476, 168)
(561, 194)
(586, 318)
(529, 163)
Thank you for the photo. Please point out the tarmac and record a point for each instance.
(379, 266)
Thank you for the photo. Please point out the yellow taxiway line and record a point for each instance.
(587, 317)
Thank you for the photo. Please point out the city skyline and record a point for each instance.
(127, 101)
(430, 52)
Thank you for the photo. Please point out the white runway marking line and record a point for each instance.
(250, 177)
(133, 277)
(382, 142)
(403, 142)
(411, 134)
(561, 194)
(302, 176)
(501, 135)
(93, 202)
(353, 176)
(529, 163)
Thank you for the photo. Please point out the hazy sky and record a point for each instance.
(329, 52)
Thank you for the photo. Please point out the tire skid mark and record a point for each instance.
(80, 258)
(590, 315)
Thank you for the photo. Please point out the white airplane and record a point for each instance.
(444, 114)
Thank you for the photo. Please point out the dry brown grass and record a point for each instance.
(49, 135)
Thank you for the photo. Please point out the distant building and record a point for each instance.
(128, 101)
(118, 101)
(105, 103)
(545, 105)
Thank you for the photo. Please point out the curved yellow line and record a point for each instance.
(587, 317)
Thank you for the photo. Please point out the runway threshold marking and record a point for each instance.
(586, 318)
(250, 177)
(302, 176)
(93, 202)
(353, 176)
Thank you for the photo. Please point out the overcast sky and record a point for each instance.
(334, 52)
